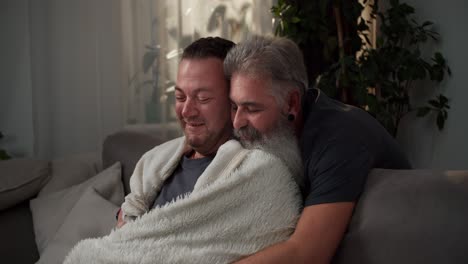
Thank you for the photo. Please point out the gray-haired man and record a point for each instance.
(339, 143)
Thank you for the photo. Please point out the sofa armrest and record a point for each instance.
(409, 216)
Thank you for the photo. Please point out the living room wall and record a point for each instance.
(15, 83)
(61, 76)
(426, 146)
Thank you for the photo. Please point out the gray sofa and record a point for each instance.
(413, 216)
(17, 239)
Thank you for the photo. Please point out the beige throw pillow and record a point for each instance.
(92, 216)
(53, 211)
(72, 170)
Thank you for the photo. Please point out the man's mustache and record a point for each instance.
(247, 133)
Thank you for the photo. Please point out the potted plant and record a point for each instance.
(382, 77)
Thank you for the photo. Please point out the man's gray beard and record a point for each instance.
(281, 142)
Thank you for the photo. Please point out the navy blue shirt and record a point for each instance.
(182, 180)
(340, 144)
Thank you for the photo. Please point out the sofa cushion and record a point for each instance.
(51, 212)
(127, 147)
(409, 216)
(21, 179)
(92, 216)
(72, 170)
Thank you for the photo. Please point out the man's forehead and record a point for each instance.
(250, 83)
(196, 90)
(246, 102)
(250, 100)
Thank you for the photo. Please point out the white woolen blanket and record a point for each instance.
(245, 201)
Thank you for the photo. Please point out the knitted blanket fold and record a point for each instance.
(245, 201)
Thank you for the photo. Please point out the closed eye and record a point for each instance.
(253, 111)
(248, 110)
(180, 98)
(204, 100)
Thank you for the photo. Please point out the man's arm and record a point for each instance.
(315, 240)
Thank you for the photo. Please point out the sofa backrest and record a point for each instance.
(127, 146)
(409, 216)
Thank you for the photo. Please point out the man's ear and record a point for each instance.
(293, 103)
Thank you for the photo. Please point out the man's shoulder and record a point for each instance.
(329, 116)
(341, 131)
(167, 148)
(333, 127)
(329, 120)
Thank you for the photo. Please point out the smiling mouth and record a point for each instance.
(194, 124)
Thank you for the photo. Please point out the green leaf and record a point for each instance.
(438, 56)
(434, 103)
(427, 23)
(442, 99)
(295, 19)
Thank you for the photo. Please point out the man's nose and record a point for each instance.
(190, 108)
(238, 120)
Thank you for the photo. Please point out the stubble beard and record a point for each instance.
(206, 141)
(194, 140)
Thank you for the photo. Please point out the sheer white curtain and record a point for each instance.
(73, 69)
(76, 83)
(156, 31)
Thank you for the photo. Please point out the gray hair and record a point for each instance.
(276, 58)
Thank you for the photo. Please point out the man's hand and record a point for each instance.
(315, 240)
(120, 221)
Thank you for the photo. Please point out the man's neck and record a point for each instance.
(197, 155)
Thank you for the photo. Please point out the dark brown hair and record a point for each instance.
(208, 47)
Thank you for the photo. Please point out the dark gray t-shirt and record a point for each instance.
(340, 144)
(183, 180)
